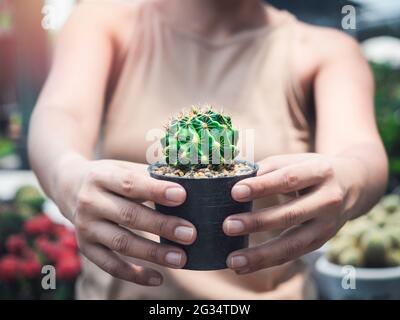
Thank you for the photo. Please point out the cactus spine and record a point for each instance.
(200, 138)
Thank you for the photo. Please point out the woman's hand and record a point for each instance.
(325, 198)
(104, 198)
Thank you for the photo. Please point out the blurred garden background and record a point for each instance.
(28, 29)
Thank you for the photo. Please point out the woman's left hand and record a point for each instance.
(325, 197)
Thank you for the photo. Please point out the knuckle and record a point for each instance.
(281, 260)
(130, 215)
(325, 169)
(336, 197)
(160, 226)
(92, 175)
(155, 191)
(256, 258)
(81, 225)
(291, 249)
(259, 187)
(258, 223)
(111, 267)
(153, 253)
(84, 201)
(290, 181)
(293, 216)
(128, 183)
(120, 242)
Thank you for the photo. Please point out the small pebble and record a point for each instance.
(207, 172)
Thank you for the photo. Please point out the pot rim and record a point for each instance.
(325, 267)
(158, 164)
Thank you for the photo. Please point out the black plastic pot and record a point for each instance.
(207, 204)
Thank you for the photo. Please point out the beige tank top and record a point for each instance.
(249, 75)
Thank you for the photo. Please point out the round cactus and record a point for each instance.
(376, 236)
(351, 256)
(393, 233)
(391, 203)
(336, 246)
(357, 228)
(375, 245)
(393, 258)
(200, 138)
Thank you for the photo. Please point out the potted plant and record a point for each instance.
(370, 244)
(200, 147)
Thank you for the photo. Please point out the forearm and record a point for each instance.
(56, 138)
(363, 171)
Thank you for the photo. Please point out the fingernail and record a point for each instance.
(184, 233)
(241, 191)
(173, 258)
(238, 262)
(154, 281)
(175, 194)
(234, 226)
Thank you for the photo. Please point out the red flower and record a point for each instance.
(9, 268)
(38, 225)
(51, 250)
(69, 241)
(41, 241)
(68, 266)
(30, 268)
(59, 230)
(28, 253)
(15, 243)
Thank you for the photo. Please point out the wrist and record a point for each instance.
(67, 173)
(353, 177)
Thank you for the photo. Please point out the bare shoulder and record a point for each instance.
(327, 42)
(106, 18)
(317, 48)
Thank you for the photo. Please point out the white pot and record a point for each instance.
(338, 282)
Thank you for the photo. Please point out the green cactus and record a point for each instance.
(393, 258)
(336, 246)
(357, 228)
(200, 138)
(393, 233)
(351, 256)
(375, 245)
(391, 203)
(375, 235)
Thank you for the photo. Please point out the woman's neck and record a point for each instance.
(215, 18)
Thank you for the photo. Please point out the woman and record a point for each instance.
(306, 91)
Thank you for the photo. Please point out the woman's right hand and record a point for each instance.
(104, 198)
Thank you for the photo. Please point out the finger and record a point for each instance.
(320, 202)
(287, 179)
(136, 167)
(129, 244)
(139, 217)
(111, 263)
(288, 246)
(279, 161)
(137, 186)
